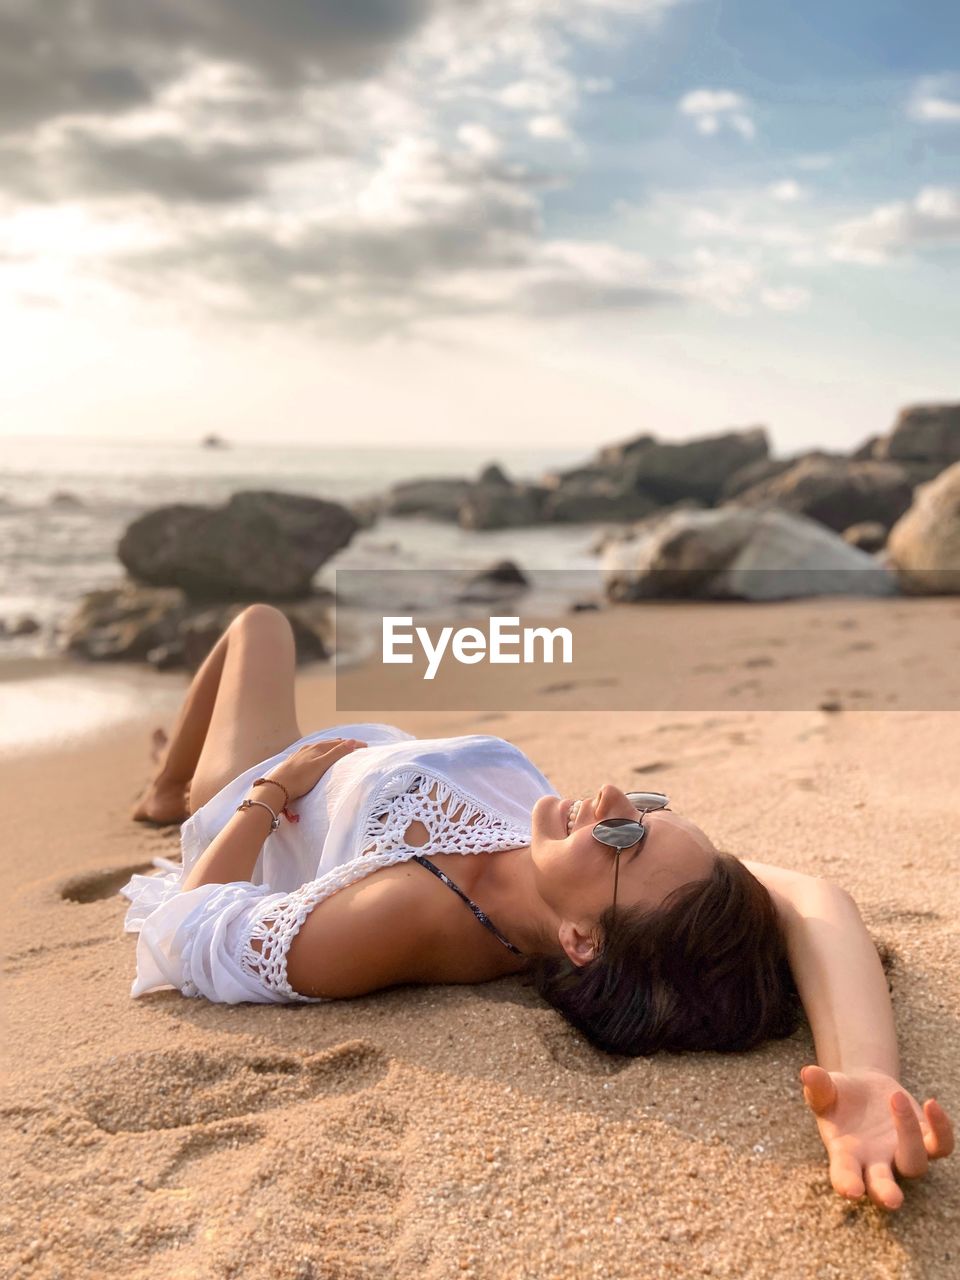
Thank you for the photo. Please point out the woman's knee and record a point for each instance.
(262, 615)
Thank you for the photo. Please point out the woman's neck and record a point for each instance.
(506, 890)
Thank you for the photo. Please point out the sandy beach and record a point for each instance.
(468, 1131)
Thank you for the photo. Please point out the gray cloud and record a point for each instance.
(72, 56)
(287, 159)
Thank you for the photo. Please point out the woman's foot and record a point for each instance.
(162, 804)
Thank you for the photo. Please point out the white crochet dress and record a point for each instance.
(229, 942)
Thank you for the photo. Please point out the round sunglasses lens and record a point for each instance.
(648, 799)
(619, 833)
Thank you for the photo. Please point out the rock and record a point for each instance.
(65, 499)
(24, 625)
(694, 468)
(440, 498)
(124, 623)
(163, 626)
(866, 451)
(494, 474)
(739, 553)
(604, 497)
(502, 578)
(836, 491)
(924, 545)
(495, 506)
(868, 535)
(752, 474)
(213, 441)
(259, 545)
(926, 434)
(505, 572)
(616, 534)
(584, 606)
(616, 455)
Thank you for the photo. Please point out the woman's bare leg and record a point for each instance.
(240, 709)
(165, 799)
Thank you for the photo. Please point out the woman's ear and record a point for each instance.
(580, 947)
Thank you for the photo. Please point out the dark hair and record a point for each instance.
(706, 969)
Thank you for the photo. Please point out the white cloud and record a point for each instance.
(936, 109)
(815, 160)
(936, 100)
(786, 298)
(479, 139)
(713, 109)
(787, 191)
(548, 127)
(930, 220)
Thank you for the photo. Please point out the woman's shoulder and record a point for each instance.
(397, 925)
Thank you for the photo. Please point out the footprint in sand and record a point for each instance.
(94, 886)
(760, 661)
(168, 1089)
(653, 767)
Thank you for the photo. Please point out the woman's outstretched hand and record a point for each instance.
(873, 1128)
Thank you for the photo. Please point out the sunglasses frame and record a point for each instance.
(621, 823)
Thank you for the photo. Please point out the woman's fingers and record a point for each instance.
(938, 1140)
(819, 1090)
(882, 1186)
(910, 1158)
(845, 1175)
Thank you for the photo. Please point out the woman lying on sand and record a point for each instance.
(331, 865)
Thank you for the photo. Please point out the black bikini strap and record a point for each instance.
(481, 915)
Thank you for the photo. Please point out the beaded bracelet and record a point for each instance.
(285, 811)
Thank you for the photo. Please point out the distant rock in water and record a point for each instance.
(741, 554)
(835, 491)
(260, 545)
(163, 626)
(213, 441)
(64, 499)
(924, 545)
(438, 497)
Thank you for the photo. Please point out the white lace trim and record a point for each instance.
(455, 822)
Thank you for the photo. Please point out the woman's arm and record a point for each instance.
(840, 979)
(233, 853)
(870, 1125)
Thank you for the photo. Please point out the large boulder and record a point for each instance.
(925, 439)
(924, 545)
(437, 497)
(835, 491)
(163, 626)
(742, 554)
(260, 545)
(693, 468)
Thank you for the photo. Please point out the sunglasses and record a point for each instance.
(624, 833)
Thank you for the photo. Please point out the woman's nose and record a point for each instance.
(611, 802)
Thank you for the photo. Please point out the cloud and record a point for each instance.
(548, 127)
(785, 298)
(787, 191)
(356, 165)
(930, 221)
(936, 100)
(714, 109)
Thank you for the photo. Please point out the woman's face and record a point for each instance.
(574, 873)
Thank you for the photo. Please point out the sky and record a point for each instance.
(542, 223)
